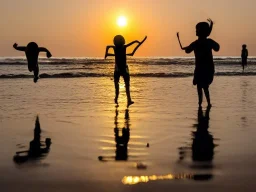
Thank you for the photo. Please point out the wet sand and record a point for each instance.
(188, 150)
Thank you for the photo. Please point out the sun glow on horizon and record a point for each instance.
(121, 21)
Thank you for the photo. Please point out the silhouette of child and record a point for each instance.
(121, 67)
(204, 69)
(32, 51)
(244, 56)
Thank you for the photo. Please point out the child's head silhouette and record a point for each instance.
(244, 46)
(119, 40)
(203, 29)
(32, 46)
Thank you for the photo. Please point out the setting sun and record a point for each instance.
(121, 21)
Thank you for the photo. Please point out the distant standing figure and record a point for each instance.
(204, 69)
(32, 52)
(244, 56)
(121, 67)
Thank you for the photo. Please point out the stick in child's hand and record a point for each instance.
(178, 36)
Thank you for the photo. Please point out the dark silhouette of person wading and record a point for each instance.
(244, 56)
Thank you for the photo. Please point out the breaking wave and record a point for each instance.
(156, 75)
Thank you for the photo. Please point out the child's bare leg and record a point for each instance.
(207, 95)
(36, 72)
(117, 91)
(116, 80)
(200, 95)
(128, 94)
(127, 89)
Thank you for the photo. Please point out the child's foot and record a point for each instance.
(129, 103)
(116, 102)
(35, 79)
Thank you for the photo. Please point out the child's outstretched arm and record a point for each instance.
(189, 48)
(215, 46)
(19, 48)
(129, 44)
(48, 53)
(140, 43)
(109, 54)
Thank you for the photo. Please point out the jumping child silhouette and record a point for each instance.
(121, 67)
(204, 69)
(244, 56)
(32, 51)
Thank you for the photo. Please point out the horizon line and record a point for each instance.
(140, 57)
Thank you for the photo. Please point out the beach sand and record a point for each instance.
(79, 116)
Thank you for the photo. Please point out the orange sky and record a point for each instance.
(84, 27)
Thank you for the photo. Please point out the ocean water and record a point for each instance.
(189, 150)
(140, 67)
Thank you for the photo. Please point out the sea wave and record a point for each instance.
(156, 75)
(143, 61)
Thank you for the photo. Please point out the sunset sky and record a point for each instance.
(83, 28)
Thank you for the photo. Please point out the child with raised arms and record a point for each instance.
(204, 69)
(121, 67)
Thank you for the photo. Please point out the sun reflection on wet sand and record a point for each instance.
(132, 180)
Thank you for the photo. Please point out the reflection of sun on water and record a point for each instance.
(121, 21)
(132, 180)
(122, 96)
(121, 85)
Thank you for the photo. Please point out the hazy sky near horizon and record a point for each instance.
(84, 27)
